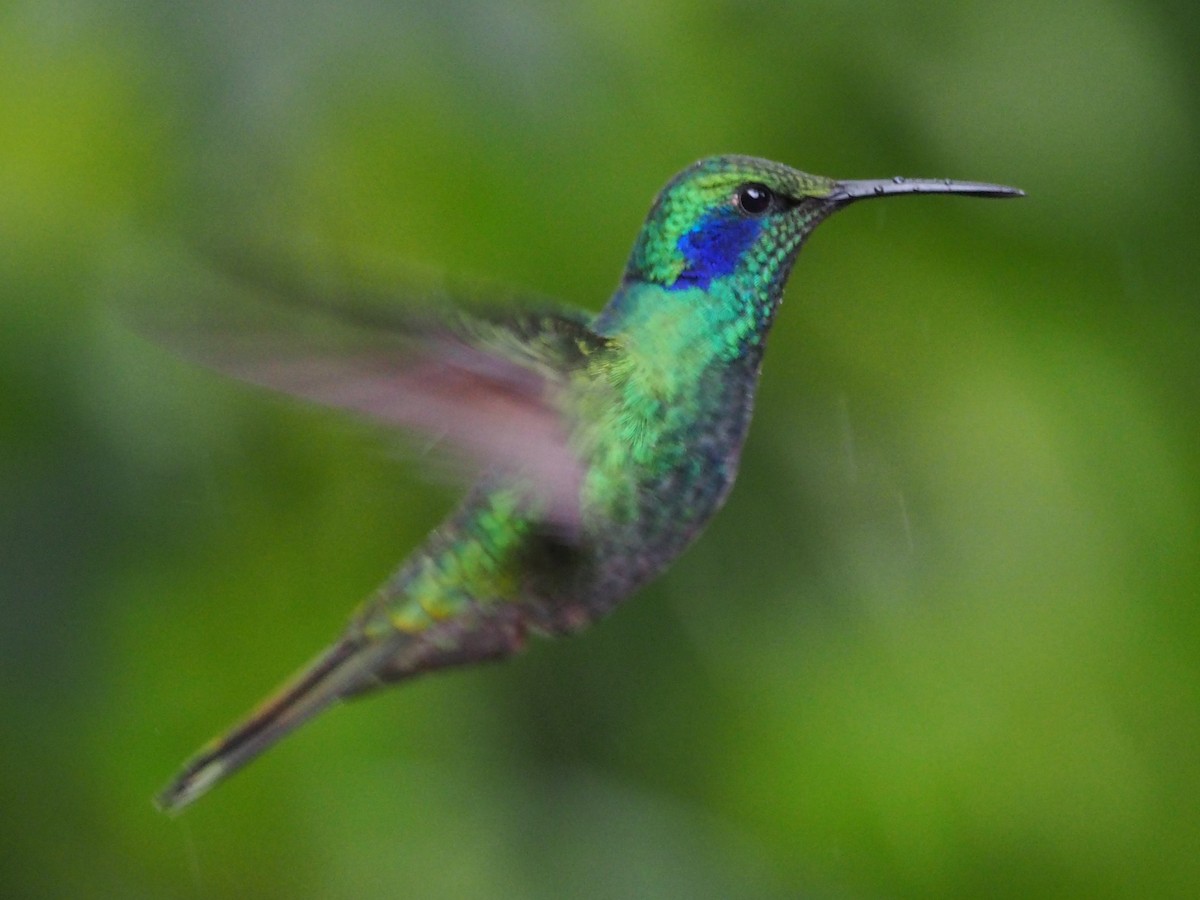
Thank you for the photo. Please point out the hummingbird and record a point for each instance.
(601, 444)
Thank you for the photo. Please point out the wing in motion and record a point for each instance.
(487, 383)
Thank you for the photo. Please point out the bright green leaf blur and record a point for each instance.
(943, 642)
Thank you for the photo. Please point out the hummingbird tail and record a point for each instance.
(342, 670)
(356, 664)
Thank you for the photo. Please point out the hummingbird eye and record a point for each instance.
(753, 199)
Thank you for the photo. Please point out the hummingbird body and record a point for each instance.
(608, 443)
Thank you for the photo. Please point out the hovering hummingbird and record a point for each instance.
(603, 444)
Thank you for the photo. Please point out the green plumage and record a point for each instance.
(604, 445)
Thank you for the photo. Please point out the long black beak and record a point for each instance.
(848, 191)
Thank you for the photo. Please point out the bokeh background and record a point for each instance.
(944, 641)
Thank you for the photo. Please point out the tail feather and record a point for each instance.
(342, 670)
(366, 657)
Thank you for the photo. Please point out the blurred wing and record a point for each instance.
(489, 384)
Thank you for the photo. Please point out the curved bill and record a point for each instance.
(849, 191)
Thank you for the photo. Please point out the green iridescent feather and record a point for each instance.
(603, 445)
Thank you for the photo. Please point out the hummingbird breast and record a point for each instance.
(645, 509)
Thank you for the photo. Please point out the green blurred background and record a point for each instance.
(944, 641)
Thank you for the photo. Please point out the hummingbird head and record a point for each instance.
(726, 216)
(733, 225)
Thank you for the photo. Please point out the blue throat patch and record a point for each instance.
(713, 248)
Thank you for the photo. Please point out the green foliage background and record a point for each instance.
(943, 641)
